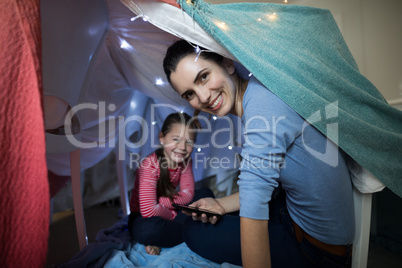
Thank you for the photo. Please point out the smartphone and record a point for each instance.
(199, 211)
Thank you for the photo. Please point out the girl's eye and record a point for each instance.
(190, 142)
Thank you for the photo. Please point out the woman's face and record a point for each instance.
(206, 85)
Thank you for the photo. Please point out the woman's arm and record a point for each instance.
(255, 251)
(230, 203)
(221, 206)
(270, 127)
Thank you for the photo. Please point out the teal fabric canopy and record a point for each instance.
(299, 53)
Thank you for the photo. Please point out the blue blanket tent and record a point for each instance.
(299, 53)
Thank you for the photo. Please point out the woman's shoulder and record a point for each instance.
(258, 95)
(256, 91)
(259, 101)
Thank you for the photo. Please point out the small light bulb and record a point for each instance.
(112, 107)
(199, 150)
(221, 25)
(124, 44)
(272, 17)
(136, 17)
(214, 117)
(159, 82)
(230, 147)
(153, 123)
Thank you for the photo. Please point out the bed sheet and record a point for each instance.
(178, 256)
(114, 248)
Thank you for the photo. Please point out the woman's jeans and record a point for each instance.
(221, 242)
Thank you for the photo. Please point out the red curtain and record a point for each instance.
(24, 190)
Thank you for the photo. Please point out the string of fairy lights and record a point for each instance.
(270, 17)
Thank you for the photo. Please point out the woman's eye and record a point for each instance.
(188, 95)
(176, 140)
(203, 77)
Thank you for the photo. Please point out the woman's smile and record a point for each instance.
(217, 103)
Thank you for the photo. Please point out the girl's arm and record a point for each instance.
(255, 251)
(187, 185)
(186, 193)
(148, 174)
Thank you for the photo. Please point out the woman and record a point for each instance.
(310, 223)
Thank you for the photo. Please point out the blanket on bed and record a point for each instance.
(114, 249)
(299, 53)
(24, 189)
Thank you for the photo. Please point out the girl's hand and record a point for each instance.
(209, 204)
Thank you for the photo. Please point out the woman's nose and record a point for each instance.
(204, 95)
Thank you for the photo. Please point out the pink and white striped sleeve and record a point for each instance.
(148, 174)
(186, 193)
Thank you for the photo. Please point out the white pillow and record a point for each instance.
(363, 180)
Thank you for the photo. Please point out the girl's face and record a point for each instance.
(206, 85)
(177, 144)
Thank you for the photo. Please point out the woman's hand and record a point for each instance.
(208, 204)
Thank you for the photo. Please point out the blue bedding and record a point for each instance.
(114, 248)
(178, 256)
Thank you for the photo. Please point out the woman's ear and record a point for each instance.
(229, 65)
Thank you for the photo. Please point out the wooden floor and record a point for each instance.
(63, 243)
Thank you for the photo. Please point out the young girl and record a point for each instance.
(154, 222)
